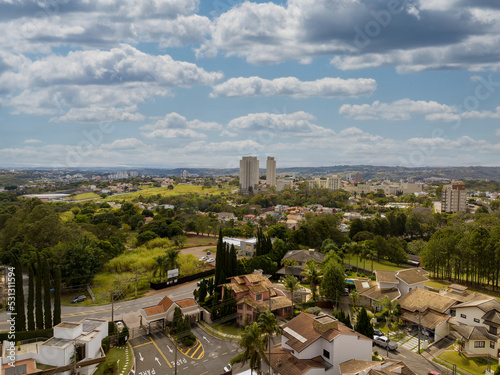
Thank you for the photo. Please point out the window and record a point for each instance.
(476, 320)
(259, 297)
(479, 344)
(240, 316)
(493, 330)
(249, 308)
(463, 316)
(492, 344)
(326, 354)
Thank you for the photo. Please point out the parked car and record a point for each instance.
(228, 368)
(433, 373)
(202, 259)
(208, 252)
(377, 332)
(384, 342)
(78, 299)
(210, 260)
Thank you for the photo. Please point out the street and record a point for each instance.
(419, 364)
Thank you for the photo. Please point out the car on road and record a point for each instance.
(78, 299)
(433, 373)
(202, 259)
(384, 342)
(228, 368)
(210, 260)
(377, 332)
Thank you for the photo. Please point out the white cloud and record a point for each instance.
(292, 86)
(399, 110)
(174, 125)
(32, 141)
(100, 114)
(293, 124)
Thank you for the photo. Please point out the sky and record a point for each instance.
(188, 83)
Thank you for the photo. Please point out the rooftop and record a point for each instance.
(421, 299)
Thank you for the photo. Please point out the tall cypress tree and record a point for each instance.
(57, 295)
(20, 322)
(46, 295)
(220, 266)
(38, 293)
(31, 299)
(233, 260)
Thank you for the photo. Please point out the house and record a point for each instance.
(163, 312)
(224, 217)
(85, 337)
(477, 323)
(254, 294)
(244, 247)
(386, 367)
(428, 309)
(370, 293)
(317, 345)
(300, 258)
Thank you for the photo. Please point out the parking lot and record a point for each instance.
(155, 354)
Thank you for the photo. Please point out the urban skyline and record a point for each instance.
(185, 83)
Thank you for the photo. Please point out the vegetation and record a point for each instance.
(363, 324)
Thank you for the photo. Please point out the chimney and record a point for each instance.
(324, 323)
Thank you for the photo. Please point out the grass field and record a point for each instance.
(122, 354)
(79, 197)
(178, 190)
(474, 365)
(383, 265)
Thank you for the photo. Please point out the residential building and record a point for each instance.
(477, 324)
(244, 246)
(283, 184)
(318, 345)
(254, 294)
(85, 337)
(270, 172)
(429, 310)
(386, 367)
(249, 173)
(299, 257)
(357, 178)
(454, 197)
(330, 183)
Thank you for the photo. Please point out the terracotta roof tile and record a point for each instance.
(423, 299)
(386, 276)
(166, 303)
(413, 275)
(283, 362)
(153, 310)
(187, 302)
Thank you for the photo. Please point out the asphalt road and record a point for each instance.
(419, 364)
(156, 354)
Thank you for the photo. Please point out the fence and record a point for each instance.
(181, 280)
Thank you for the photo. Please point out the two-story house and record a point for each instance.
(254, 294)
(300, 258)
(477, 324)
(318, 345)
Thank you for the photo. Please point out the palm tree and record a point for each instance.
(159, 265)
(292, 285)
(253, 348)
(313, 275)
(268, 325)
(172, 259)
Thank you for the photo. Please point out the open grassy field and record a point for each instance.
(79, 197)
(383, 265)
(164, 191)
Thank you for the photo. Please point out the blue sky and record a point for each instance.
(184, 83)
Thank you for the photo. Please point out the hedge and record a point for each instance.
(27, 335)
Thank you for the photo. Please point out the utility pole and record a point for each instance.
(419, 330)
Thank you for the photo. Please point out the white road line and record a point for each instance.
(224, 353)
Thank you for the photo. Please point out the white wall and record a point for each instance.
(69, 334)
(441, 331)
(346, 347)
(470, 313)
(49, 355)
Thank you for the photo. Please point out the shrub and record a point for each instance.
(314, 310)
(109, 367)
(106, 343)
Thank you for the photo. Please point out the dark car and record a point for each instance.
(378, 332)
(78, 299)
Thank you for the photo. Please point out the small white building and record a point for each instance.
(244, 247)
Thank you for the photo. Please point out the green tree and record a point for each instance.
(46, 295)
(57, 296)
(363, 324)
(160, 266)
(38, 293)
(253, 348)
(31, 299)
(172, 259)
(333, 283)
(312, 275)
(269, 326)
(20, 322)
(292, 285)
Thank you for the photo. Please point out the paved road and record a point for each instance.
(155, 354)
(121, 309)
(419, 364)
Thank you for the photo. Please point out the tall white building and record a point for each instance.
(330, 183)
(249, 172)
(271, 171)
(454, 197)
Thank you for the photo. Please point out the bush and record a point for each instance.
(112, 329)
(188, 342)
(106, 343)
(109, 367)
(313, 310)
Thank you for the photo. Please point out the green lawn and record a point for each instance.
(229, 329)
(474, 365)
(383, 265)
(122, 354)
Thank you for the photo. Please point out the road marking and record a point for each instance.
(196, 349)
(146, 343)
(403, 356)
(278, 344)
(224, 353)
(201, 354)
(206, 372)
(163, 355)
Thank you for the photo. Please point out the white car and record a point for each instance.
(202, 259)
(210, 260)
(227, 368)
(384, 342)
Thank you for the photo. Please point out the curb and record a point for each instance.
(132, 368)
(221, 337)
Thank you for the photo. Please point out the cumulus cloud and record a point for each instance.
(120, 78)
(292, 86)
(293, 124)
(174, 125)
(399, 110)
(32, 141)
(413, 35)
